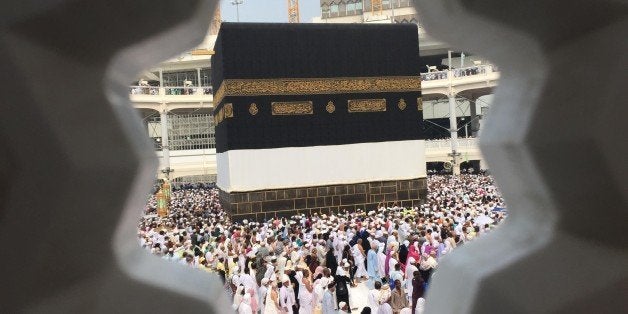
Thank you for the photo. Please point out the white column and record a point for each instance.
(475, 124)
(161, 82)
(453, 124)
(198, 82)
(363, 17)
(453, 130)
(164, 142)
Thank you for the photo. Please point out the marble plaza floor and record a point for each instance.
(358, 296)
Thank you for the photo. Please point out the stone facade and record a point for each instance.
(323, 199)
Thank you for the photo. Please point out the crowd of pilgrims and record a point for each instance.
(318, 263)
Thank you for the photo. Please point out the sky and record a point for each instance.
(268, 10)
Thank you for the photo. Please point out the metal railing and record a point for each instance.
(194, 179)
(473, 70)
(188, 90)
(464, 142)
(461, 72)
(144, 90)
(185, 131)
(170, 90)
(432, 76)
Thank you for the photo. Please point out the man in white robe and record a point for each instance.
(286, 295)
(262, 292)
(373, 297)
(328, 300)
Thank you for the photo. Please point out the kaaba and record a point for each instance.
(317, 118)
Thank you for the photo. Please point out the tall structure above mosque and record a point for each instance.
(381, 12)
(214, 27)
(357, 11)
(293, 11)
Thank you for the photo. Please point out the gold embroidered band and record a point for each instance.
(313, 86)
(366, 105)
(291, 108)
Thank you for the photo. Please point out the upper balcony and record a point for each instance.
(472, 71)
(171, 94)
(437, 82)
(478, 77)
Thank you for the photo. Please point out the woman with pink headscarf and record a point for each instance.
(253, 300)
(413, 252)
(318, 271)
(245, 305)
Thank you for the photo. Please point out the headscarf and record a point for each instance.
(251, 301)
(246, 302)
(319, 270)
(384, 294)
(412, 252)
(411, 260)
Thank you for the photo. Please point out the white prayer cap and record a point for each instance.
(285, 278)
(264, 281)
(342, 304)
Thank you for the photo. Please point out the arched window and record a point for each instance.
(359, 5)
(333, 9)
(351, 7)
(325, 10)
